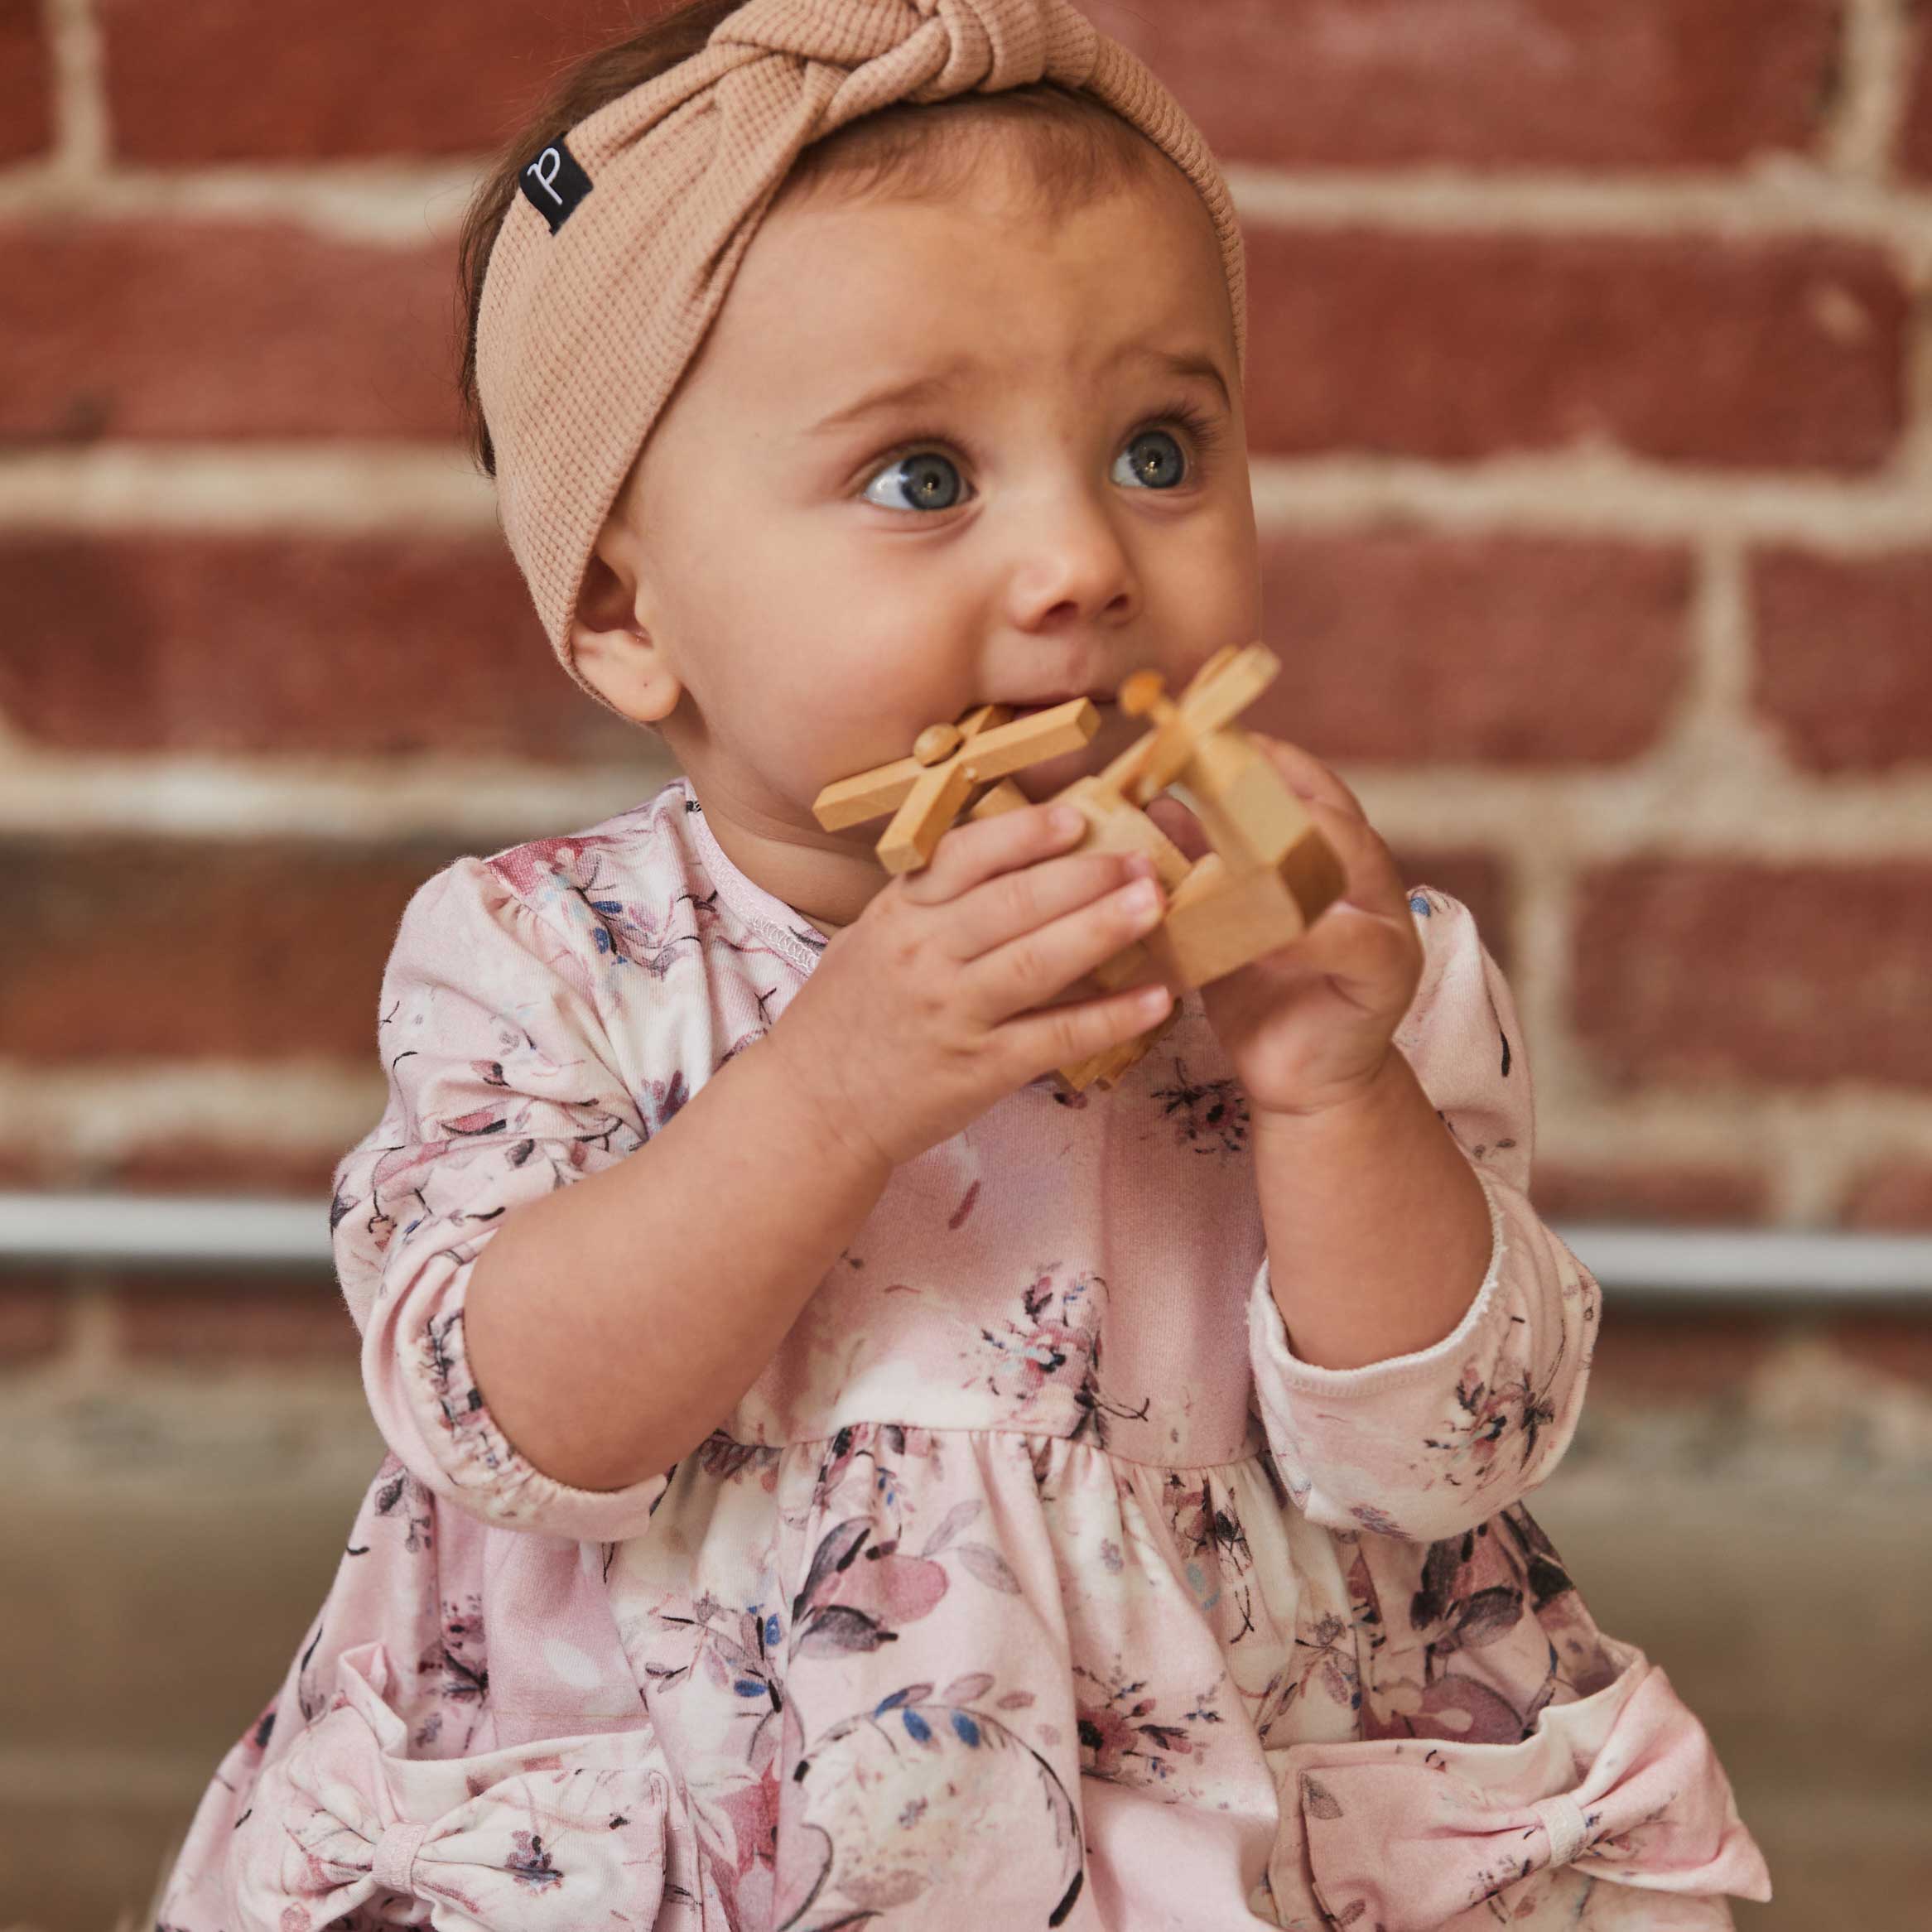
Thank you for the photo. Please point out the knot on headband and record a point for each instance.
(930, 49)
(609, 267)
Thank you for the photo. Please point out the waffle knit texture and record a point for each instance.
(583, 332)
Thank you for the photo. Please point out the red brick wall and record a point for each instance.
(1591, 407)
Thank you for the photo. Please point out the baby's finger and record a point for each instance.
(1058, 1036)
(1002, 908)
(1306, 775)
(1030, 969)
(1369, 878)
(978, 849)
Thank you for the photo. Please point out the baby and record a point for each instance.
(838, 1473)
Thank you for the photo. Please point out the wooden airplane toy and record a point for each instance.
(1268, 873)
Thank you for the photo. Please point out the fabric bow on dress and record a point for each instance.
(548, 1837)
(1623, 1783)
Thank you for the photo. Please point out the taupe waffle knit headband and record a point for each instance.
(608, 270)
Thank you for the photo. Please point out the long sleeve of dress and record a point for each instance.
(502, 1087)
(1430, 1444)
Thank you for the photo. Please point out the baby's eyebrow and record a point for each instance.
(921, 389)
(1194, 363)
(929, 387)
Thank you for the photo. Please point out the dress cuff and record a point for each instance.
(1268, 1332)
(429, 1409)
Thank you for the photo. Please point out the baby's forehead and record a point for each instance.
(1010, 196)
(841, 278)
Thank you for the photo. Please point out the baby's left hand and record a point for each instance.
(1309, 1025)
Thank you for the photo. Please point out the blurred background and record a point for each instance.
(1591, 409)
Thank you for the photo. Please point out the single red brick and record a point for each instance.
(195, 328)
(34, 1313)
(1781, 353)
(28, 1165)
(1844, 656)
(1566, 83)
(125, 949)
(1697, 1196)
(1915, 147)
(1686, 1354)
(1895, 1345)
(1890, 1197)
(286, 1321)
(200, 80)
(27, 81)
(344, 646)
(1689, 972)
(1404, 646)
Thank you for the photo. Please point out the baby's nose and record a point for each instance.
(1072, 569)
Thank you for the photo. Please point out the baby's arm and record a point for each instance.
(560, 1299)
(677, 1271)
(1430, 1441)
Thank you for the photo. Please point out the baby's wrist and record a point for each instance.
(808, 1084)
(1361, 1095)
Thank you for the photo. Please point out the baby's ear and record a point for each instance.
(612, 650)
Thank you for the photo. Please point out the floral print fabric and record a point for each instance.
(1034, 1576)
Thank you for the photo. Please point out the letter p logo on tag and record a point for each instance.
(553, 183)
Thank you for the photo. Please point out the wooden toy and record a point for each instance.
(1268, 873)
(950, 765)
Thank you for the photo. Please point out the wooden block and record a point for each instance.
(1270, 874)
(1114, 825)
(1103, 1069)
(1221, 919)
(1227, 685)
(1004, 796)
(1011, 747)
(870, 794)
(998, 744)
(928, 809)
(1158, 759)
(1223, 687)
(1313, 874)
(1250, 816)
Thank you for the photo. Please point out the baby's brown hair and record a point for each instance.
(1077, 145)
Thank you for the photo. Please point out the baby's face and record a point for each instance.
(824, 571)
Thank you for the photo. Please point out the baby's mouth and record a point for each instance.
(1052, 775)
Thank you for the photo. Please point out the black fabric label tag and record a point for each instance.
(553, 183)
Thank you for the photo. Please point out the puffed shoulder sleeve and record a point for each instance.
(502, 1087)
(1430, 1444)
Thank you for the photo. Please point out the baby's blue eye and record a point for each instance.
(931, 482)
(1152, 459)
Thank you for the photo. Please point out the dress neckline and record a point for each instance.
(787, 928)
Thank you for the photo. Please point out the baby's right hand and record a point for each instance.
(924, 1011)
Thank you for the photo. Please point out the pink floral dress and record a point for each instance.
(1034, 1583)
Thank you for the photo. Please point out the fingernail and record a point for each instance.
(1064, 820)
